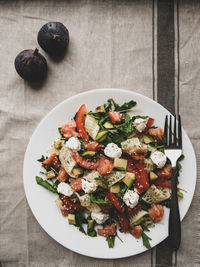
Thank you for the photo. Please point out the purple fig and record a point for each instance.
(53, 37)
(31, 65)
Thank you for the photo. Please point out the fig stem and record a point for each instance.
(35, 52)
(56, 36)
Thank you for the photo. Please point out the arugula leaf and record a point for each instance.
(126, 106)
(91, 231)
(145, 239)
(139, 117)
(42, 158)
(80, 220)
(45, 184)
(127, 126)
(179, 166)
(102, 179)
(59, 130)
(93, 199)
(111, 241)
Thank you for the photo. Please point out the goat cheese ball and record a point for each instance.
(88, 187)
(99, 217)
(112, 151)
(73, 143)
(131, 198)
(65, 189)
(159, 159)
(140, 124)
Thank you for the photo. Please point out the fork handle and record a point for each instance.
(174, 216)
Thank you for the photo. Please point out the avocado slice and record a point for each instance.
(71, 219)
(89, 154)
(115, 188)
(129, 179)
(108, 125)
(90, 224)
(153, 176)
(147, 139)
(100, 135)
(120, 164)
(101, 109)
(77, 171)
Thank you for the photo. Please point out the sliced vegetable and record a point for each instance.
(129, 179)
(147, 139)
(85, 163)
(141, 181)
(100, 135)
(120, 164)
(115, 188)
(91, 126)
(88, 154)
(67, 160)
(114, 200)
(123, 222)
(71, 219)
(153, 176)
(45, 184)
(80, 119)
(108, 125)
(156, 195)
(115, 177)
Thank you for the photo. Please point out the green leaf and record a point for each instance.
(123, 189)
(127, 126)
(98, 200)
(80, 220)
(42, 158)
(139, 117)
(111, 241)
(45, 184)
(126, 106)
(102, 179)
(146, 239)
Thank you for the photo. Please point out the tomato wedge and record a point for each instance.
(80, 119)
(162, 182)
(52, 161)
(114, 200)
(93, 146)
(142, 182)
(123, 222)
(149, 123)
(85, 163)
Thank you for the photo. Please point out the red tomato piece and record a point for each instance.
(115, 116)
(158, 133)
(162, 182)
(136, 231)
(80, 119)
(114, 200)
(52, 161)
(93, 146)
(156, 212)
(105, 166)
(165, 172)
(133, 211)
(141, 177)
(105, 208)
(76, 184)
(123, 222)
(62, 175)
(150, 122)
(85, 163)
(69, 129)
(108, 230)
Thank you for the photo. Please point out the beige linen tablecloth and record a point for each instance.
(113, 43)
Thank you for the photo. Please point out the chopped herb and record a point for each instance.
(145, 237)
(93, 199)
(42, 158)
(102, 179)
(111, 241)
(80, 220)
(123, 190)
(127, 126)
(119, 238)
(180, 194)
(45, 184)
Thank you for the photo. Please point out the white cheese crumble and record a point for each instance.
(99, 217)
(65, 189)
(88, 187)
(131, 198)
(158, 158)
(73, 143)
(112, 151)
(140, 124)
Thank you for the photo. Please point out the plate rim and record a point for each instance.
(71, 98)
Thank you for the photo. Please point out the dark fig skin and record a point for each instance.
(31, 65)
(53, 37)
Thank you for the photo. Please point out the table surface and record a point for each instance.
(150, 47)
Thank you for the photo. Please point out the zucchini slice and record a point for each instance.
(137, 216)
(91, 126)
(156, 195)
(115, 177)
(67, 161)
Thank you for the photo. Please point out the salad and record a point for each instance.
(110, 172)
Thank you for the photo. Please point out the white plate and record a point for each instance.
(42, 202)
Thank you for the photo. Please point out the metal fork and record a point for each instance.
(173, 150)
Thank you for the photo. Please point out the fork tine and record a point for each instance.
(170, 131)
(175, 139)
(179, 132)
(166, 130)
